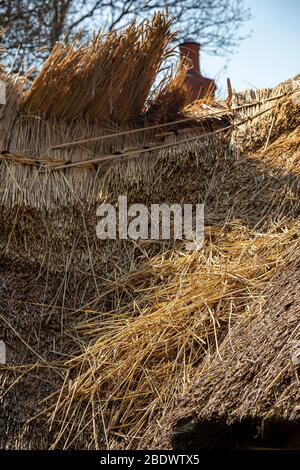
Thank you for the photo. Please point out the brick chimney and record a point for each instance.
(200, 87)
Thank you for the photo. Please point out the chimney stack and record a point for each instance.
(200, 87)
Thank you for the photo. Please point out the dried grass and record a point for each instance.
(145, 352)
(117, 71)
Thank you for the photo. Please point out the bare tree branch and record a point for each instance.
(33, 26)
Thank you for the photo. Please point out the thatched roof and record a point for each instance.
(31, 336)
(252, 213)
(252, 380)
(36, 327)
(146, 314)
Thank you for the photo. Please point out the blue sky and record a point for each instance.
(270, 55)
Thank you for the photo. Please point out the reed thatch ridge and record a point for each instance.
(34, 192)
(85, 91)
(252, 381)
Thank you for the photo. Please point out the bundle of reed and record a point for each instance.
(117, 70)
(142, 353)
(170, 98)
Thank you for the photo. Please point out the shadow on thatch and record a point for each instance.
(248, 434)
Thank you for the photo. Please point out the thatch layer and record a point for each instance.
(147, 347)
(276, 115)
(35, 337)
(68, 236)
(256, 373)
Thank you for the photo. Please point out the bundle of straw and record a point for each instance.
(106, 80)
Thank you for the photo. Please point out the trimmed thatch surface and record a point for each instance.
(37, 327)
(33, 337)
(255, 375)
